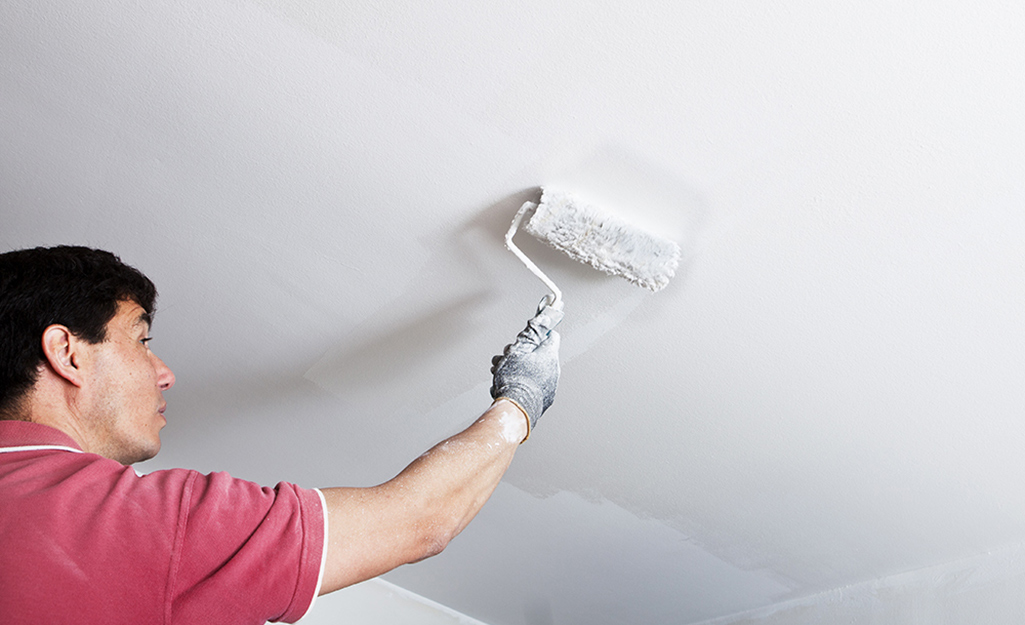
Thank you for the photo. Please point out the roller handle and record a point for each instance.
(555, 298)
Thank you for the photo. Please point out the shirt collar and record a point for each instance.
(26, 434)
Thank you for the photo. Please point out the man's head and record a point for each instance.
(76, 320)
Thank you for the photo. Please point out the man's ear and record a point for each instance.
(62, 350)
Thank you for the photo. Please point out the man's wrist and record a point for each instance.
(510, 405)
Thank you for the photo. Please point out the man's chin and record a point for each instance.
(142, 455)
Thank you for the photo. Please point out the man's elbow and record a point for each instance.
(433, 537)
(429, 549)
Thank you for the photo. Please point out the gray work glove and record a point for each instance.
(528, 370)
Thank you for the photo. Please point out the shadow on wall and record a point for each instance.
(412, 354)
(395, 346)
(470, 297)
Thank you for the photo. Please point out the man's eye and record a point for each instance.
(146, 340)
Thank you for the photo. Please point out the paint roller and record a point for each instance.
(587, 234)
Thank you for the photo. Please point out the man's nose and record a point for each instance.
(165, 377)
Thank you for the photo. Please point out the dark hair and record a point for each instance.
(77, 287)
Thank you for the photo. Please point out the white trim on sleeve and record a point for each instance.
(323, 555)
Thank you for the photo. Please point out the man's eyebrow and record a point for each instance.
(145, 318)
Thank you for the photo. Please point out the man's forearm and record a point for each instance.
(416, 514)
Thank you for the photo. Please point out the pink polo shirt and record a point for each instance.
(84, 539)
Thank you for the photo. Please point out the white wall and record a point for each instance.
(829, 392)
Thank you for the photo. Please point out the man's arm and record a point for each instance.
(414, 515)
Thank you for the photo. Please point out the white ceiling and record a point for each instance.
(829, 392)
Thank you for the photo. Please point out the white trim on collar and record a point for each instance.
(39, 447)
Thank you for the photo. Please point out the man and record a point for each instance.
(87, 540)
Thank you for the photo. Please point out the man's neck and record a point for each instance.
(48, 403)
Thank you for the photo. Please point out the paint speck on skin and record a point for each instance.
(513, 426)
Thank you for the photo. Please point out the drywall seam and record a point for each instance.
(377, 601)
(457, 617)
(955, 590)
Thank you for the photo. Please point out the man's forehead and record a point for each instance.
(135, 314)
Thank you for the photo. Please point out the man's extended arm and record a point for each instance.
(414, 515)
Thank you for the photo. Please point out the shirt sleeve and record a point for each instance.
(245, 553)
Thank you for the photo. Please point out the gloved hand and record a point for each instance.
(527, 372)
